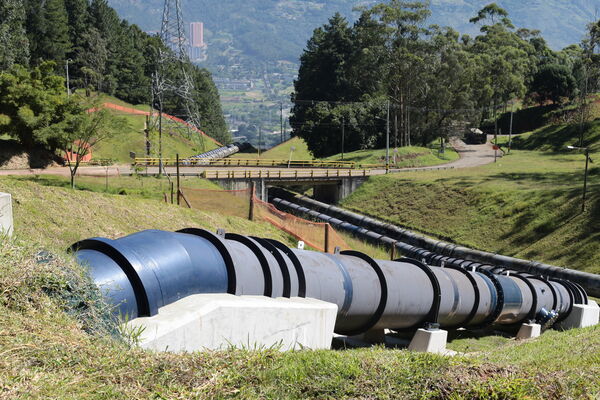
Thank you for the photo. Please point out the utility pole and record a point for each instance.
(68, 83)
(160, 161)
(259, 139)
(387, 139)
(281, 119)
(510, 131)
(343, 134)
(587, 161)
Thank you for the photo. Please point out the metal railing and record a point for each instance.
(248, 162)
(283, 174)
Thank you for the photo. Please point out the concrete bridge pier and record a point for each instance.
(329, 191)
(334, 192)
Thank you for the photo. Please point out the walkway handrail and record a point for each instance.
(285, 174)
(246, 162)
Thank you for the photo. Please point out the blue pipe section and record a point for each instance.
(146, 270)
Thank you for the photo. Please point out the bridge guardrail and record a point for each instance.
(246, 162)
(283, 174)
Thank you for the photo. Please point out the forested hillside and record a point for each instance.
(394, 71)
(101, 52)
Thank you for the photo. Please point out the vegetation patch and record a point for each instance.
(515, 207)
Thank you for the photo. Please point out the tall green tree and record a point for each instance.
(79, 26)
(13, 39)
(33, 104)
(55, 43)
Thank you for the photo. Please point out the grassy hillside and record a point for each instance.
(406, 157)
(57, 341)
(527, 205)
(411, 156)
(174, 138)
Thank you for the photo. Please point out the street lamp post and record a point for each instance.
(67, 68)
(387, 139)
(585, 174)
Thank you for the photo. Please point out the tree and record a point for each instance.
(32, 103)
(324, 78)
(55, 43)
(15, 46)
(494, 13)
(82, 130)
(553, 82)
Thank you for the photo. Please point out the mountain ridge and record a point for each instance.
(278, 29)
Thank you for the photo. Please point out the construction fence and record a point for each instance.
(244, 204)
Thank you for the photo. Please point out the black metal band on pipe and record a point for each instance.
(383, 287)
(475, 307)
(221, 246)
(282, 264)
(142, 304)
(295, 262)
(590, 282)
(534, 303)
(433, 314)
(268, 279)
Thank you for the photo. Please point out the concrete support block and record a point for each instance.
(219, 321)
(6, 215)
(429, 341)
(529, 331)
(582, 315)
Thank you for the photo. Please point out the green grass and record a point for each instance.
(282, 151)
(56, 340)
(131, 139)
(411, 156)
(146, 187)
(527, 205)
(406, 156)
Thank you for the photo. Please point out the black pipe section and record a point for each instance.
(142, 272)
(590, 282)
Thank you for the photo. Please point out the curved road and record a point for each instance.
(470, 156)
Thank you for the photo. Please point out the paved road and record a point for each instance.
(470, 156)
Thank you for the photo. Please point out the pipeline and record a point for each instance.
(147, 270)
(221, 152)
(328, 213)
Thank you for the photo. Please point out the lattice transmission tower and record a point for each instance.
(173, 75)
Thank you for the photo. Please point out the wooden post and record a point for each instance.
(251, 211)
(393, 252)
(178, 186)
(327, 227)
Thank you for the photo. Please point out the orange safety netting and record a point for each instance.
(318, 235)
(227, 202)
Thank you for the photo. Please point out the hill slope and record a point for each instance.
(175, 137)
(56, 340)
(527, 205)
(269, 30)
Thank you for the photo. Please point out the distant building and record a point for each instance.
(197, 45)
(197, 34)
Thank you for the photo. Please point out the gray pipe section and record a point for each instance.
(590, 282)
(221, 152)
(142, 272)
(524, 295)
